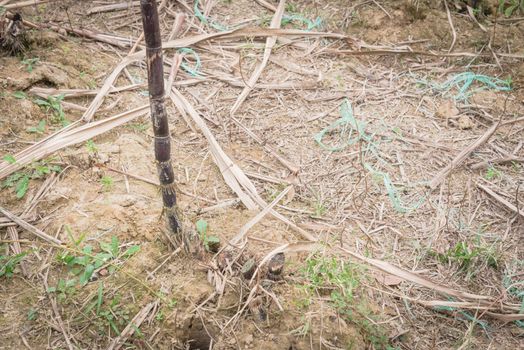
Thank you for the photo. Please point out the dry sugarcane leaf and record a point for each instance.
(132, 326)
(36, 90)
(270, 42)
(388, 279)
(30, 228)
(462, 156)
(293, 67)
(113, 7)
(412, 277)
(24, 4)
(33, 152)
(227, 167)
(235, 178)
(501, 199)
(243, 231)
(68, 136)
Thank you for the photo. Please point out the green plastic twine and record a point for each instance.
(348, 126)
(285, 19)
(204, 20)
(299, 18)
(351, 131)
(467, 316)
(464, 81)
(393, 193)
(517, 292)
(194, 71)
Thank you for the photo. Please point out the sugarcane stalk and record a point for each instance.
(155, 77)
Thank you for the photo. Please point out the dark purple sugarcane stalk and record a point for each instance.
(155, 78)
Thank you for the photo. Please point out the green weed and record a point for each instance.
(19, 181)
(9, 263)
(30, 63)
(9, 158)
(210, 242)
(114, 315)
(82, 262)
(54, 104)
(509, 7)
(19, 95)
(32, 314)
(139, 127)
(470, 257)
(290, 7)
(341, 280)
(320, 209)
(91, 83)
(91, 147)
(39, 129)
(492, 173)
(107, 183)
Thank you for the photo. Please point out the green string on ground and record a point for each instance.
(511, 288)
(348, 126)
(350, 132)
(194, 71)
(204, 20)
(393, 193)
(295, 17)
(463, 83)
(483, 324)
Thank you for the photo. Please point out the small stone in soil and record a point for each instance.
(276, 264)
(248, 268)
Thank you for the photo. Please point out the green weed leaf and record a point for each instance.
(131, 251)
(22, 186)
(41, 102)
(114, 246)
(99, 297)
(201, 226)
(9, 158)
(84, 278)
(19, 95)
(213, 239)
(38, 129)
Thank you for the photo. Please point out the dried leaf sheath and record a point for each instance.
(155, 75)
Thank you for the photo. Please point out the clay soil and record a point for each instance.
(363, 192)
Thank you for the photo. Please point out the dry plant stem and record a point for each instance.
(461, 157)
(106, 38)
(25, 4)
(503, 160)
(155, 77)
(267, 5)
(243, 231)
(270, 42)
(453, 31)
(131, 326)
(70, 135)
(113, 7)
(385, 52)
(17, 249)
(501, 199)
(141, 36)
(29, 227)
